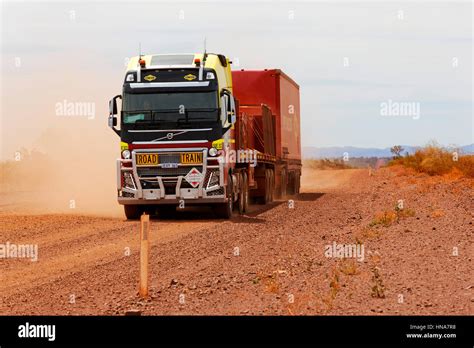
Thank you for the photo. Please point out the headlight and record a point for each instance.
(126, 154)
(212, 151)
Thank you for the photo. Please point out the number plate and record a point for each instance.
(169, 165)
(191, 158)
(147, 159)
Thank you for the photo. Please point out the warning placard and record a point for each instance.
(194, 177)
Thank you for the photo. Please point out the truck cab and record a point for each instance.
(177, 113)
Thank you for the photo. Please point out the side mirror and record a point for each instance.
(112, 121)
(231, 111)
(224, 108)
(113, 106)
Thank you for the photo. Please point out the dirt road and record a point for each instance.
(416, 259)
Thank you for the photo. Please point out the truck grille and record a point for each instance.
(156, 171)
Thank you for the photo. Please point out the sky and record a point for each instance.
(349, 58)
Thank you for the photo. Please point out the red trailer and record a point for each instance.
(269, 122)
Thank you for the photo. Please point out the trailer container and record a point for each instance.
(260, 92)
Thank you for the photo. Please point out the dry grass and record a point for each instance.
(378, 289)
(387, 218)
(334, 284)
(348, 267)
(435, 160)
(466, 165)
(437, 213)
(326, 164)
(367, 233)
(405, 213)
(270, 283)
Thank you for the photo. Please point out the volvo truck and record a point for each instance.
(193, 132)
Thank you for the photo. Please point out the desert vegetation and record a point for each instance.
(436, 160)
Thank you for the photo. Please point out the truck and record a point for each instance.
(194, 132)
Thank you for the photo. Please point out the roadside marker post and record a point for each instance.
(144, 253)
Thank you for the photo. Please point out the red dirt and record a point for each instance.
(281, 267)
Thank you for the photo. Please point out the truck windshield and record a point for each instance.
(185, 107)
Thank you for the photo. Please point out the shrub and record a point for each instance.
(435, 160)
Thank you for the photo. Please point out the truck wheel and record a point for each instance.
(283, 184)
(266, 197)
(297, 184)
(272, 185)
(246, 192)
(290, 187)
(133, 212)
(241, 194)
(268, 186)
(224, 210)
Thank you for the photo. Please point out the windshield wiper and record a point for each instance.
(202, 109)
(189, 120)
(142, 121)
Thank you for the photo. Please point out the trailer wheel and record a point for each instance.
(283, 184)
(266, 197)
(246, 192)
(241, 193)
(265, 194)
(290, 190)
(133, 212)
(272, 185)
(297, 183)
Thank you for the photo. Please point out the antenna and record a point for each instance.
(139, 70)
(201, 66)
(204, 56)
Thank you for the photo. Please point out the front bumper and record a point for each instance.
(169, 189)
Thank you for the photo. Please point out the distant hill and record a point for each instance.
(338, 151)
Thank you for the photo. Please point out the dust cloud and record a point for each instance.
(70, 168)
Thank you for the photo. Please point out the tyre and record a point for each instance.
(133, 212)
(283, 184)
(291, 184)
(241, 193)
(272, 185)
(266, 197)
(224, 210)
(246, 192)
(297, 184)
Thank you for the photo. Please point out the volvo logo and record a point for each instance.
(169, 136)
